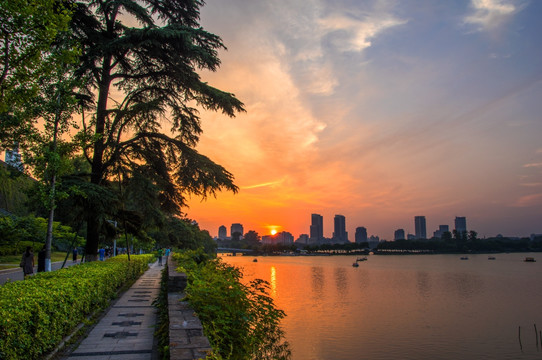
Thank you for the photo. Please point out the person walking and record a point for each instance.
(74, 254)
(102, 254)
(41, 259)
(27, 261)
(160, 253)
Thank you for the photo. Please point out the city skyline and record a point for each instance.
(316, 235)
(377, 110)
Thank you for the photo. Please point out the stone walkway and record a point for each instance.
(126, 331)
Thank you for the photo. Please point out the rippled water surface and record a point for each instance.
(405, 307)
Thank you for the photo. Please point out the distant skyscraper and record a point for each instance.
(441, 230)
(340, 235)
(281, 238)
(461, 224)
(399, 234)
(236, 228)
(419, 225)
(222, 232)
(13, 158)
(361, 234)
(303, 239)
(317, 229)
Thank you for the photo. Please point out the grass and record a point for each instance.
(12, 261)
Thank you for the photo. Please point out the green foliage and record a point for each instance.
(36, 313)
(162, 328)
(18, 232)
(14, 187)
(28, 28)
(183, 234)
(241, 321)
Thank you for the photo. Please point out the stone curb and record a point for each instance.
(186, 339)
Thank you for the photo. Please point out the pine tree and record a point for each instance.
(154, 66)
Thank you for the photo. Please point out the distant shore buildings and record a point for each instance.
(420, 227)
(361, 235)
(340, 235)
(460, 224)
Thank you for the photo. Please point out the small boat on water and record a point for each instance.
(355, 264)
(491, 257)
(529, 259)
(464, 257)
(361, 259)
(255, 260)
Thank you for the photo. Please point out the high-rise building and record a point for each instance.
(373, 241)
(361, 234)
(460, 224)
(13, 158)
(441, 230)
(222, 232)
(303, 239)
(317, 229)
(281, 238)
(420, 227)
(340, 235)
(399, 234)
(236, 228)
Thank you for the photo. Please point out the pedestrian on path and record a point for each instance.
(102, 254)
(27, 261)
(74, 254)
(41, 259)
(160, 253)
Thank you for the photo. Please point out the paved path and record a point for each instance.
(16, 274)
(126, 331)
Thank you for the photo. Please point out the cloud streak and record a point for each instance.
(378, 110)
(488, 15)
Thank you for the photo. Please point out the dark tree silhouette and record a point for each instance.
(154, 67)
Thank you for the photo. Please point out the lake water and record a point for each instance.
(406, 307)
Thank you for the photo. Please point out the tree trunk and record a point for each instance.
(93, 234)
(49, 239)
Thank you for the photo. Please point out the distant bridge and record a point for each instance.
(230, 250)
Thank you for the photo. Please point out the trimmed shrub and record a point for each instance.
(241, 321)
(35, 314)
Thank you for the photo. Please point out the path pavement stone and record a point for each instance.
(126, 331)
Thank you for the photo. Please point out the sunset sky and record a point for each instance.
(378, 111)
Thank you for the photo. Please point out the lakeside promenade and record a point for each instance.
(126, 330)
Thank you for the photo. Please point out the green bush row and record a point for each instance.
(18, 232)
(241, 321)
(35, 314)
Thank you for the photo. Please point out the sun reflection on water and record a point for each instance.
(273, 282)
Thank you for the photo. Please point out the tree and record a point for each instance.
(28, 28)
(473, 235)
(446, 236)
(154, 67)
(252, 239)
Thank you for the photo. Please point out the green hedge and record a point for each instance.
(37, 313)
(240, 320)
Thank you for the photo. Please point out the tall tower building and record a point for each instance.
(361, 234)
(420, 227)
(340, 235)
(236, 228)
(222, 232)
(13, 158)
(317, 229)
(399, 234)
(460, 224)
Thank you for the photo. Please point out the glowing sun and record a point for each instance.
(273, 231)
